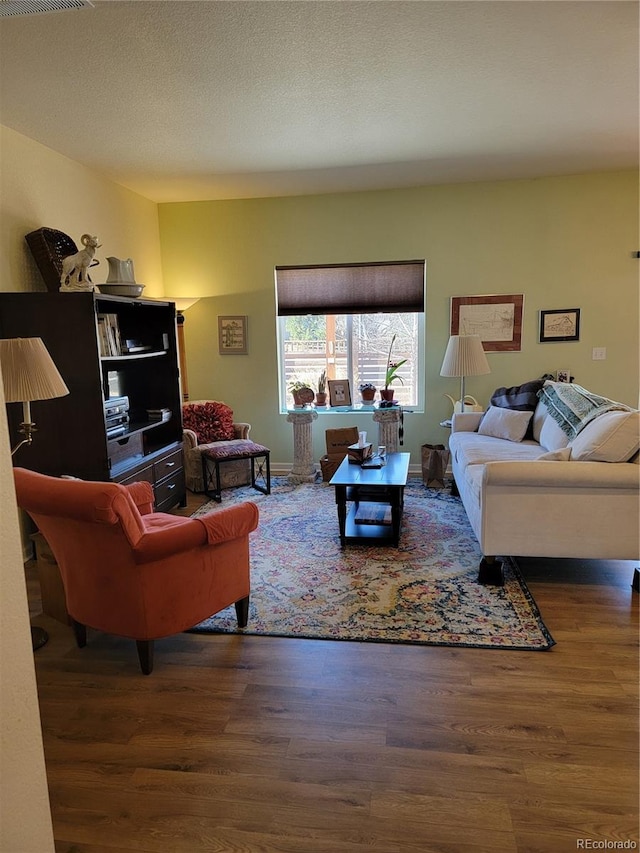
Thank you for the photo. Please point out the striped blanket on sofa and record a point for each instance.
(573, 407)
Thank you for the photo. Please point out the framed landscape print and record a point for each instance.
(232, 335)
(496, 319)
(560, 325)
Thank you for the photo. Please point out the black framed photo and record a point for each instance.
(339, 392)
(560, 325)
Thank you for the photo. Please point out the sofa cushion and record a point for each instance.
(509, 424)
(611, 437)
(551, 436)
(211, 421)
(537, 421)
(469, 448)
(562, 455)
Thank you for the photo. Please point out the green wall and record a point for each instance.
(563, 242)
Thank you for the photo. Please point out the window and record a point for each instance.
(342, 318)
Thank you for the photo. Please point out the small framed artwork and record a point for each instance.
(560, 325)
(339, 392)
(496, 319)
(564, 375)
(232, 335)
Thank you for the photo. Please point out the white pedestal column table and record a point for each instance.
(304, 468)
(388, 421)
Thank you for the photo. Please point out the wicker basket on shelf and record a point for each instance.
(48, 248)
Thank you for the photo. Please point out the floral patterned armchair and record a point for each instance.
(207, 422)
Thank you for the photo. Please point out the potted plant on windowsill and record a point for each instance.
(321, 393)
(367, 391)
(391, 375)
(302, 394)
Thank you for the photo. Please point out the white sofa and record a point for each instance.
(550, 495)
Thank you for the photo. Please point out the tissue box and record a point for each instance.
(358, 454)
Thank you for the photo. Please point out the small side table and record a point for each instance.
(214, 457)
(304, 469)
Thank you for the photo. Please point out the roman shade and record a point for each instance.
(392, 287)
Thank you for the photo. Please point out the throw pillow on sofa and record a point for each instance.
(522, 398)
(211, 421)
(508, 424)
(611, 437)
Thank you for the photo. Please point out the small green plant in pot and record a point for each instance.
(302, 394)
(321, 393)
(392, 373)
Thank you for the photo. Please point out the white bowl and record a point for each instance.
(122, 289)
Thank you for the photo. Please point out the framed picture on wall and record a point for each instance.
(496, 319)
(232, 335)
(339, 392)
(560, 325)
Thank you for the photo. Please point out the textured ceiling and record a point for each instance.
(199, 99)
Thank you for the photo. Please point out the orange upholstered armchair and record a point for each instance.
(136, 573)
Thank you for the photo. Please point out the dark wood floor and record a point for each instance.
(246, 744)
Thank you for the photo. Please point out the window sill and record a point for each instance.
(358, 408)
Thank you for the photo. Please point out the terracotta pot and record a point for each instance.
(386, 393)
(321, 398)
(368, 396)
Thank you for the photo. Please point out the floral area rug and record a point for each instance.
(303, 584)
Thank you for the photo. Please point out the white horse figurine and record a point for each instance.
(75, 268)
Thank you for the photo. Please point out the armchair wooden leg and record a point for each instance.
(242, 612)
(145, 655)
(80, 632)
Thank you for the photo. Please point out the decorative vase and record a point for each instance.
(386, 394)
(120, 271)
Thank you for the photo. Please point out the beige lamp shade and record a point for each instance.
(28, 371)
(464, 356)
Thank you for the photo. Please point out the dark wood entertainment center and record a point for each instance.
(71, 435)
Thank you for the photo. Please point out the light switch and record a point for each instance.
(598, 353)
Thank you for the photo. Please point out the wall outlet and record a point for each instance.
(598, 353)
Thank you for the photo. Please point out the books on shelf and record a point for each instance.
(109, 335)
(372, 513)
(160, 415)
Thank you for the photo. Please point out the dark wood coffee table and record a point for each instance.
(374, 489)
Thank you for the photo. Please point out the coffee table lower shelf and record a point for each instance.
(367, 532)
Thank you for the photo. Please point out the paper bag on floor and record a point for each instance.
(435, 458)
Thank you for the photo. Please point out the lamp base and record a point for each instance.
(39, 637)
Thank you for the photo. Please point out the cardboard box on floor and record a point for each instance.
(338, 441)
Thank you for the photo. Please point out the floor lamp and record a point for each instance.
(464, 356)
(182, 303)
(28, 374)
